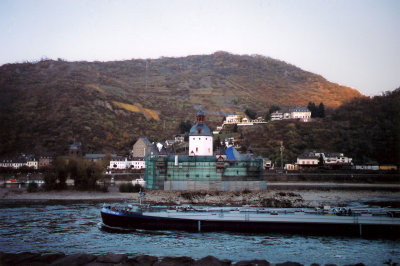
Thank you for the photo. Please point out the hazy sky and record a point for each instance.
(353, 43)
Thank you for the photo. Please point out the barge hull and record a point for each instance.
(138, 221)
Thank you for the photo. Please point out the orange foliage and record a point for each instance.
(138, 108)
(126, 106)
(94, 86)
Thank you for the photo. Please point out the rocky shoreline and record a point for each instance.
(61, 259)
(271, 198)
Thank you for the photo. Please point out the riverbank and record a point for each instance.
(278, 195)
(60, 259)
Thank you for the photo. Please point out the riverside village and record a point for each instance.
(157, 165)
(198, 166)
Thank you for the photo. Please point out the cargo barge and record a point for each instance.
(350, 223)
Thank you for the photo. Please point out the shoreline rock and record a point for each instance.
(61, 259)
(270, 198)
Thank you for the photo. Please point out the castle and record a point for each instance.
(201, 169)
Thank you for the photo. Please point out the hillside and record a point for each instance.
(44, 106)
(365, 129)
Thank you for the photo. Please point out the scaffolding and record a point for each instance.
(203, 173)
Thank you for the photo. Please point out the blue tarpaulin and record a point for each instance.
(232, 154)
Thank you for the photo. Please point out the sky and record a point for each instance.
(355, 43)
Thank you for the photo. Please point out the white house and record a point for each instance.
(308, 159)
(245, 122)
(259, 120)
(301, 113)
(180, 138)
(6, 163)
(137, 163)
(122, 163)
(328, 159)
(233, 119)
(336, 158)
(276, 116)
(32, 163)
(280, 115)
(291, 167)
(119, 163)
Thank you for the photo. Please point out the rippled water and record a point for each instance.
(76, 227)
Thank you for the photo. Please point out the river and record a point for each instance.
(49, 227)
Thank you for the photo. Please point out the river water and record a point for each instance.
(76, 228)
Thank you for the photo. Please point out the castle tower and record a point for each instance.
(200, 137)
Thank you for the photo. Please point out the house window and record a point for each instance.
(206, 138)
(187, 175)
(193, 138)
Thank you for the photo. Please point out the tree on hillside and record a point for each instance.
(316, 111)
(311, 106)
(321, 110)
(235, 128)
(185, 126)
(274, 108)
(251, 113)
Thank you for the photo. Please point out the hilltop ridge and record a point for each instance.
(107, 105)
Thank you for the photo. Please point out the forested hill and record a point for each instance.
(365, 129)
(44, 106)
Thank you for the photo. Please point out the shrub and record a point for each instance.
(129, 188)
(32, 187)
(246, 191)
(137, 188)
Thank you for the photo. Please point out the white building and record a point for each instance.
(137, 163)
(308, 159)
(20, 161)
(327, 159)
(276, 116)
(32, 163)
(301, 113)
(336, 158)
(233, 119)
(122, 163)
(200, 138)
(180, 138)
(6, 163)
(119, 163)
(280, 115)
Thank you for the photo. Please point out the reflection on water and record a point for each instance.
(77, 227)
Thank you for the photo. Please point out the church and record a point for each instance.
(201, 169)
